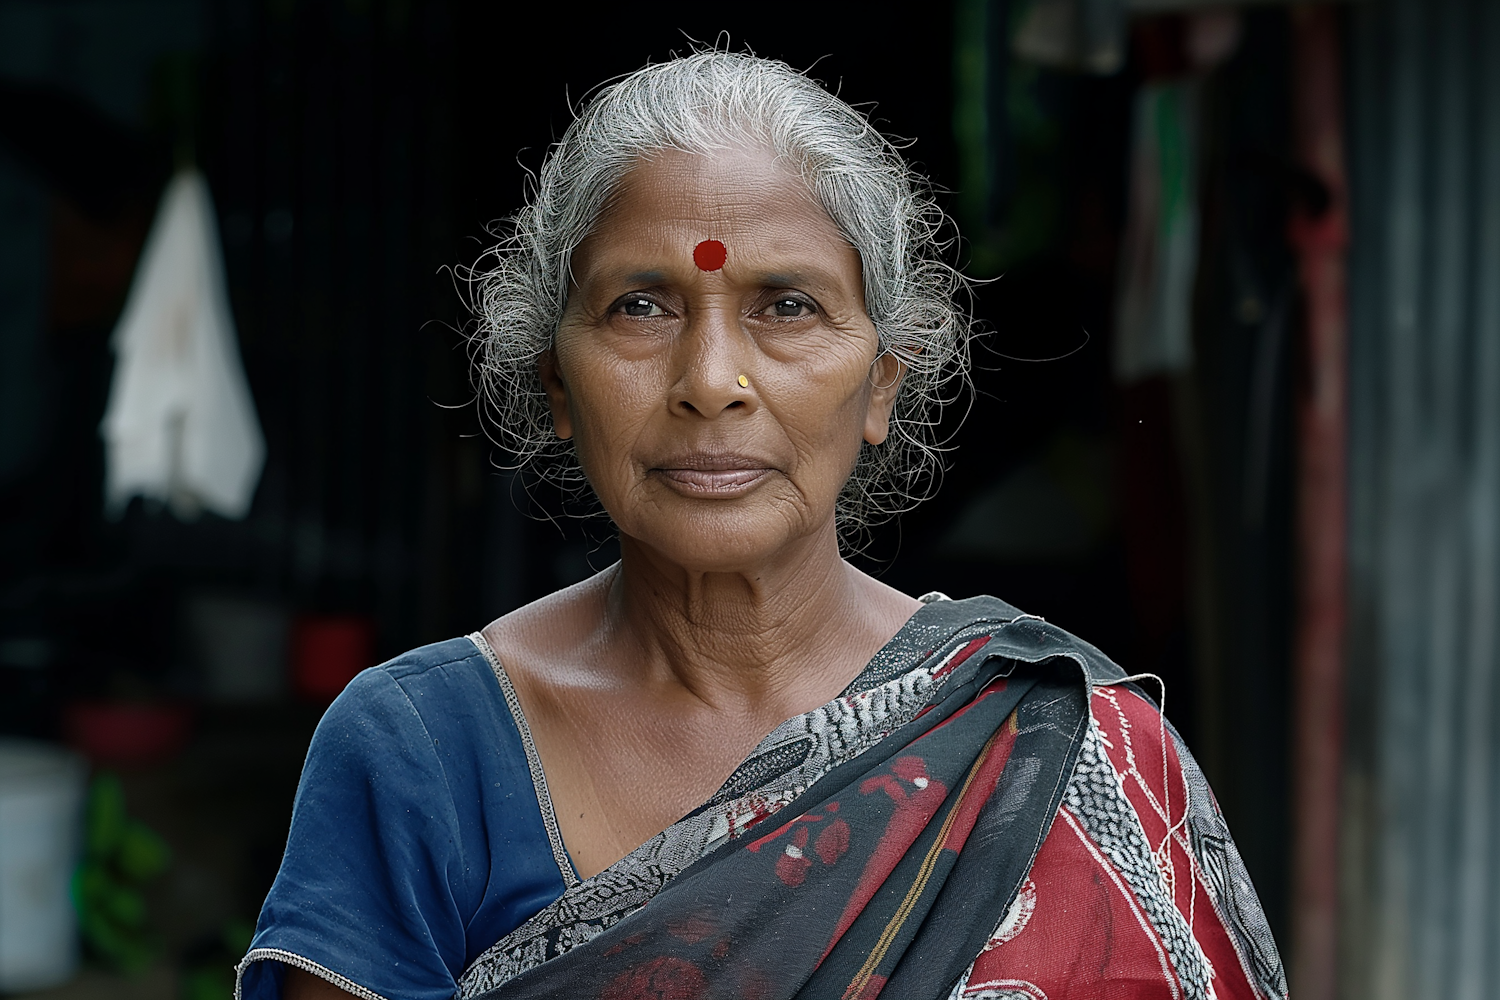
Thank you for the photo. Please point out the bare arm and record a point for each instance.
(301, 985)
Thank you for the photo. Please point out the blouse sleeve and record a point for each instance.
(367, 895)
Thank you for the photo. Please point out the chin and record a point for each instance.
(728, 540)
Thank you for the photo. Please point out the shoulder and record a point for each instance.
(1024, 636)
(431, 721)
(418, 690)
(423, 678)
(1156, 769)
(1134, 731)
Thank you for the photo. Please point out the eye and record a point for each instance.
(640, 306)
(788, 308)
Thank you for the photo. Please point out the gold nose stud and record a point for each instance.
(744, 382)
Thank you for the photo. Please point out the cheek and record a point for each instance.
(609, 400)
(822, 408)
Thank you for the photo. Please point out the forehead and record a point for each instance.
(747, 199)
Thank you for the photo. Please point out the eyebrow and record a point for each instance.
(645, 278)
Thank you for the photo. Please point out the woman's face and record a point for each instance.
(646, 372)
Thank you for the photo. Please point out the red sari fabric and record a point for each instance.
(1077, 929)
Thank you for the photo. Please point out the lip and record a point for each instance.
(723, 476)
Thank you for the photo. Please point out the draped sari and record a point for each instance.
(990, 810)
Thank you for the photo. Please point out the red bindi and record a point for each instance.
(710, 255)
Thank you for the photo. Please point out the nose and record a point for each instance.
(710, 356)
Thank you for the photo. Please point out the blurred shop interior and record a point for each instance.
(1236, 418)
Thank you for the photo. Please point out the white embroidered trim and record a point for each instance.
(533, 762)
(306, 965)
(1004, 989)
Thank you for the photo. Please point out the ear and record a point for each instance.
(886, 373)
(557, 394)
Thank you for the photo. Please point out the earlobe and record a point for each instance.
(557, 394)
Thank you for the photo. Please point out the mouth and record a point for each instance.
(712, 475)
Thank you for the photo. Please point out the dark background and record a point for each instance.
(356, 150)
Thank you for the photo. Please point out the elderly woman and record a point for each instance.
(732, 765)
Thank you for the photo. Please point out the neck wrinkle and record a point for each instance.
(742, 635)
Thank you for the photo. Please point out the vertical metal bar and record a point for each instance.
(1475, 905)
(1403, 571)
(1444, 329)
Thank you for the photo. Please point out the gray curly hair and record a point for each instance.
(699, 103)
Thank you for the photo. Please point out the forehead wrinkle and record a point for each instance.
(701, 188)
(770, 225)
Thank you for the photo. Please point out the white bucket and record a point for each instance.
(41, 828)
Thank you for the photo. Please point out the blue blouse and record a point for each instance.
(419, 837)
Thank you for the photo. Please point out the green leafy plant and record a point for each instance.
(208, 973)
(121, 856)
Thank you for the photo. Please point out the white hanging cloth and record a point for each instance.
(181, 425)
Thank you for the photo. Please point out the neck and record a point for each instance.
(795, 627)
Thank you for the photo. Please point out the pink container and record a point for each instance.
(128, 732)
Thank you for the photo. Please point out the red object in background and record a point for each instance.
(327, 651)
(1322, 497)
(127, 732)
